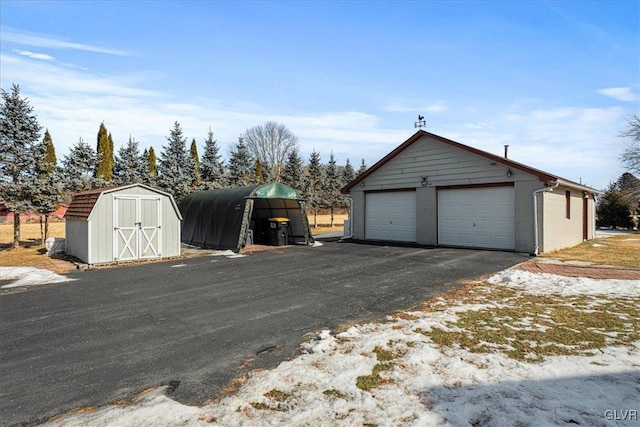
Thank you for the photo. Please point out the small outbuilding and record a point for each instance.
(125, 223)
(434, 191)
(231, 218)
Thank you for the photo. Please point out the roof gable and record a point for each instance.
(543, 176)
(83, 203)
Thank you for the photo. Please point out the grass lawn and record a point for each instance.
(32, 252)
(620, 251)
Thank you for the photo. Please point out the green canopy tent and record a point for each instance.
(230, 218)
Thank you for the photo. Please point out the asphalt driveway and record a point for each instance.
(200, 322)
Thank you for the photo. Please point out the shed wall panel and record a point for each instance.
(76, 239)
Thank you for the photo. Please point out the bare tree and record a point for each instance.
(631, 155)
(271, 143)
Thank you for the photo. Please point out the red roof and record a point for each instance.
(83, 203)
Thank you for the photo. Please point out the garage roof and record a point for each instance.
(541, 175)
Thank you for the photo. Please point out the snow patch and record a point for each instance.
(422, 383)
(29, 276)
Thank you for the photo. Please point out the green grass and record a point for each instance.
(530, 327)
(373, 380)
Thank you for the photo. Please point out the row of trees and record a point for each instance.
(32, 179)
(619, 206)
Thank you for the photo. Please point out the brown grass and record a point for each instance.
(620, 251)
(31, 252)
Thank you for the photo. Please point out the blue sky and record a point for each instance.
(554, 80)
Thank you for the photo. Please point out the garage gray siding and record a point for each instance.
(444, 165)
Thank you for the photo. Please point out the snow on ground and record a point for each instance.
(29, 276)
(419, 383)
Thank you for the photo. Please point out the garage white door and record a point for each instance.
(477, 217)
(391, 216)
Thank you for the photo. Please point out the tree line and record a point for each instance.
(619, 206)
(33, 180)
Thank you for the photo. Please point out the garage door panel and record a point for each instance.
(391, 216)
(477, 217)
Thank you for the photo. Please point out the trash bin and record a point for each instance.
(279, 231)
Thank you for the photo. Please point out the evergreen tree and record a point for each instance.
(348, 173)
(50, 156)
(196, 162)
(362, 168)
(314, 185)
(176, 168)
(629, 187)
(293, 173)
(612, 210)
(259, 177)
(104, 155)
(211, 166)
(332, 186)
(19, 134)
(130, 165)
(152, 165)
(79, 166)
(241, 165)
(49, 195)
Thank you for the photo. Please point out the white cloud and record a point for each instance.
(623, 94)
(52, 42)
(399, 107)
(575, 143)
(33, 55)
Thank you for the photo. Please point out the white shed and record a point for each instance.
(125, 223)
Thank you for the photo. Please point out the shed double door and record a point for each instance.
(137, 230)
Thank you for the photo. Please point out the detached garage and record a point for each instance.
(434, 191)
(126, 223)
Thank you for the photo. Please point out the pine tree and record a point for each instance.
(362, 169)
(50, 156)
(130, 165)
(19, 134)
(152, 164)
(48, 183)
(241, 165)
(348, 174)
(80, 165)
(612, 210)
(259, 176)
(314, 185)
(333, 184)
(196, 162)
(104, 155)
(176, 168)
(293, 173)
(211, 166)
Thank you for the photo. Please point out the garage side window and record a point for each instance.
(567, 197)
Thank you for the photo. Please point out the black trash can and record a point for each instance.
(279, 231)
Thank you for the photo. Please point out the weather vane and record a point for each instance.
(421, 123)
